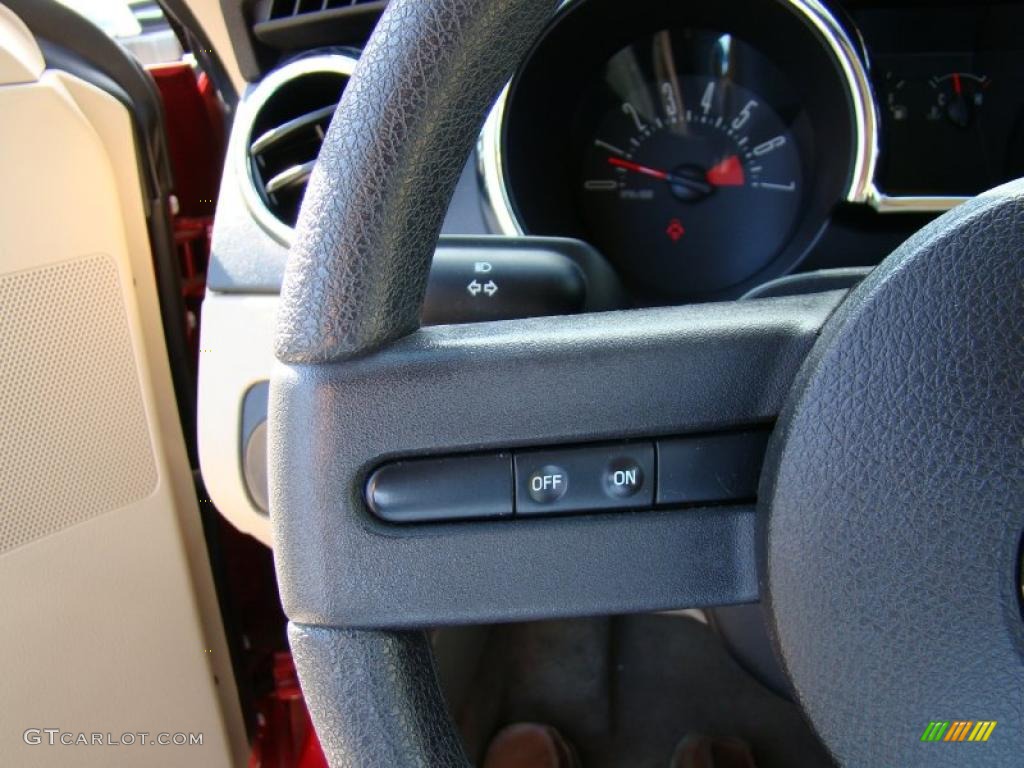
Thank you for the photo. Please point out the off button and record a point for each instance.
(548, 484)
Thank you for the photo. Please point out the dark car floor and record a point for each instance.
(623, 690)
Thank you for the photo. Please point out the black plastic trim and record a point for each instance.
(201, 47)
(801, 283)
(334, 26)
(232, 272)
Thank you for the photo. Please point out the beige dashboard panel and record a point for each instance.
(211, 18)
(111, 625)
(237, 352)
(20, 58)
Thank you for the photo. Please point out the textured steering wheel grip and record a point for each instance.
(355, 280)
(375, 698)
(373, 209)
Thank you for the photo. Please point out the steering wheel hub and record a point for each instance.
(893, 499)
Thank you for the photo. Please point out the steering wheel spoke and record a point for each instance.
(515, 386)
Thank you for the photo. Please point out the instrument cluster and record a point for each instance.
(703, 147)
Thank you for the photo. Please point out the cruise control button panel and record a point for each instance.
(594, 478)
(668, 472)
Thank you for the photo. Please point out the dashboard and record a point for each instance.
(704, 147)
(645, 153)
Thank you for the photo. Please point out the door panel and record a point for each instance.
(111, 624)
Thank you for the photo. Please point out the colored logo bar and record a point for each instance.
(958, 730)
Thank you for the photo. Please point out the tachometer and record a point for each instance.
(700, 146)
(694, 176)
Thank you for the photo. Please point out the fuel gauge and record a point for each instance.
(896, 96)
(958, 97)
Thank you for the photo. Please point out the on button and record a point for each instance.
(623, 478)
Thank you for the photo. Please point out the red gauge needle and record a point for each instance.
(727, 173)
(957, 88)
(636, 167)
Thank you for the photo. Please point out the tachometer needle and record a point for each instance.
(727, 173)
(690, 183)
(654, 173)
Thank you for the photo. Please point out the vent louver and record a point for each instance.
(281, 9)
(297, 25)
(292, 109)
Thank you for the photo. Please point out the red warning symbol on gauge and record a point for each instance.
(675, 230)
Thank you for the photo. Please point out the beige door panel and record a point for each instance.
(111, 624)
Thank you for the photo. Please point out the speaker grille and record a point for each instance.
(74, 441)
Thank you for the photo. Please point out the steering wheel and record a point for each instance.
(886, 538)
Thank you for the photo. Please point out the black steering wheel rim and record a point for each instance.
(357, 270)
(353, 291)
(355, 280)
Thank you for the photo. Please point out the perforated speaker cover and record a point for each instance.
(73, 437)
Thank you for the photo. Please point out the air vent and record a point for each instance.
(289, 115)
(291, 25)
(280, 9)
